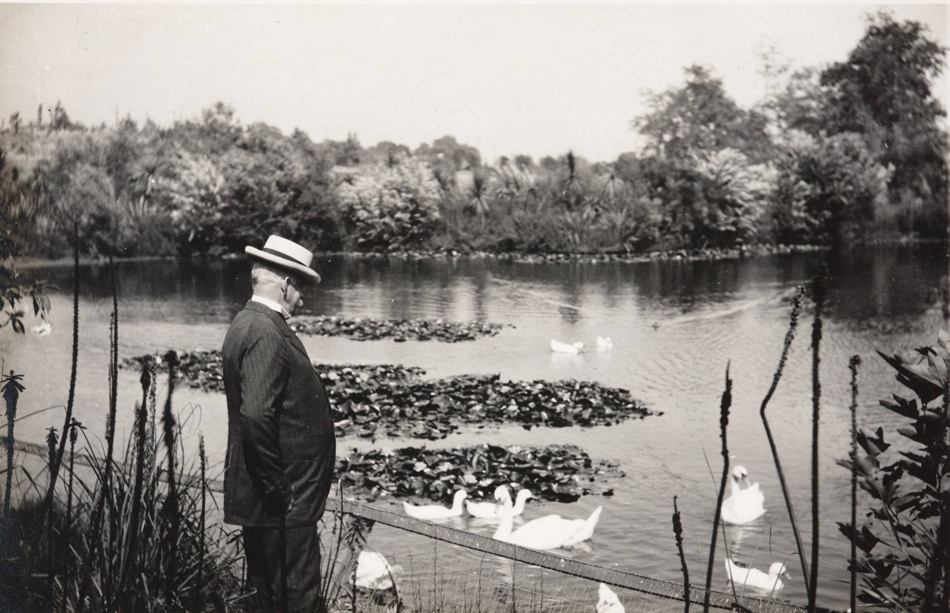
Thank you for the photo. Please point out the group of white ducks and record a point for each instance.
(745, 504)
(544, 533)
(603, 344)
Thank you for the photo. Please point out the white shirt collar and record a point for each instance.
(273, 305)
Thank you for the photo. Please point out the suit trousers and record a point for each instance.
(301, 550)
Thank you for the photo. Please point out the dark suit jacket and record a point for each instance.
(280, 432)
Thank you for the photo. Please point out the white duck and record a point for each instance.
(609, 602)
(746, 502)
(559, 347)
(494, 510)
(549, 532)
(373, 572)
(434, 511)
(604, 343)
(755, 578)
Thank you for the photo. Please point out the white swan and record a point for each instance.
(549, 532)
(746, 502)
(493, 510)
(43, 329)
(604, 343)
(434, 511)
(609, 602)
(755, 578)
(373, 572)
(559, 347)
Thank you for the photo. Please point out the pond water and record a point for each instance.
(675, 327)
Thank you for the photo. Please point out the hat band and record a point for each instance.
(283, 256)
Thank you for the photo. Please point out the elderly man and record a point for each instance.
(281, 445)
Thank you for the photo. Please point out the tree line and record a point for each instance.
(854, 151)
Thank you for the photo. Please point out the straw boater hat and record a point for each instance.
(286, 254)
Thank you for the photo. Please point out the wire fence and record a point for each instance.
(444, 569)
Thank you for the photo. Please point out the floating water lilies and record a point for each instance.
(395, 401)
(369, 329)
(560, 473)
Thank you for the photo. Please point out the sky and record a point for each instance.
(537, 79)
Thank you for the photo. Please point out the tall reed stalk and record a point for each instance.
(48, 500)
(199, 591)
(74, 428)
(818, 296)
(678, 533)
(50, 543)
(105, 482)
(139, 441)
(786, 346)
(853, 366)
(724, 405)
(171, 502)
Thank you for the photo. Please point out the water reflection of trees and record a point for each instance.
(870, 287)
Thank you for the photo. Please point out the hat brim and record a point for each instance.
(307, 274)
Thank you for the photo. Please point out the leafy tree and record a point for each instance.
(76, 202)
(345, 153)
(827, 189)
(700, 116)
(60, 120)
(883, 91)
(523, 162)
(801, 104)
(447, 150)
(386, 152)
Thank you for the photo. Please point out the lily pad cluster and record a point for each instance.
(363, 329)
(561, 473)
(433, 409)
(372, 401)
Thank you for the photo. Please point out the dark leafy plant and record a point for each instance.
(903, 545)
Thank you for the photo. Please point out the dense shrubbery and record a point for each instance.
(390, 207)
(850, 152)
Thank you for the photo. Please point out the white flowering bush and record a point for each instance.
(736, 193)
(390, 208)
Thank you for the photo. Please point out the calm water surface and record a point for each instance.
(675, 327)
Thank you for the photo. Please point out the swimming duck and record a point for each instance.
(434, 511)
(609, 602)
(559, 347)
(549, 532)
(752, 577)
(745, 503)
(604, 343)
(373, 571)
(493, 510)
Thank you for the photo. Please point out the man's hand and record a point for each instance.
(280, 501)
